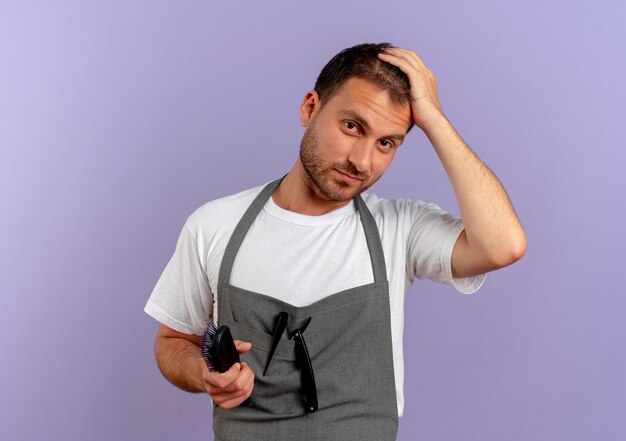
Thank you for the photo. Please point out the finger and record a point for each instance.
(217, 380)
(230, 399)
(243, 346)
(247, 376)
(242, 382)
(233, 401)
(415, 63)
(409, 68)
(250, 383)
(406, 54)
(401, 63)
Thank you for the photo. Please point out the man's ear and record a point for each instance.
(310, 105)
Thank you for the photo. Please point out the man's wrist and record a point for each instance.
(200, 369)
(434, 121)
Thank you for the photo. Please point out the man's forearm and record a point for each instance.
(493, 234)
(181, 362)
(491, 224)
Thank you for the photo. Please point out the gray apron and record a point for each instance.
(349, 343)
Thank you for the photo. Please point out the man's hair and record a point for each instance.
(361, 61)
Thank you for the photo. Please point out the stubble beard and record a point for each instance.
(317, 170)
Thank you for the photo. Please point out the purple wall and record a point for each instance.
(118, 119)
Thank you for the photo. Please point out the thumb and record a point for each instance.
(242, 346)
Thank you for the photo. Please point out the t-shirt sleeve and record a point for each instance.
(433, 233)
(182, 298)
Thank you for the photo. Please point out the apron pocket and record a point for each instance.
(278, 392)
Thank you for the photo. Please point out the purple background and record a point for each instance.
(118, 119)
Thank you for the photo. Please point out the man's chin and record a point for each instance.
(341, 192)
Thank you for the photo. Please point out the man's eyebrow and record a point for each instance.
(358, 118)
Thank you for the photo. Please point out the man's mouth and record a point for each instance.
(351, 179)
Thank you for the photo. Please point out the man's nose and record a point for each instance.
(361, 156)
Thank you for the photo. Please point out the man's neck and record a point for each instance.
(297, 193)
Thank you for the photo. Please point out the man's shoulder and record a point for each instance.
(396, 207)
(223, 211)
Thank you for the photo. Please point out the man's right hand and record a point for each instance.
(231, 388)
(180, 360)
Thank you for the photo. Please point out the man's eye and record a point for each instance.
(386, 144)
(351, 126)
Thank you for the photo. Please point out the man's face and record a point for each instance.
(350, 141)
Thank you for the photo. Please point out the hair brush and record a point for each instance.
(218, 348)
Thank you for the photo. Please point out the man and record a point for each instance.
(333, 259)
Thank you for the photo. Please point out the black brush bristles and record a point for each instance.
(207, 344)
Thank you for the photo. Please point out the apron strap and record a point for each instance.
(372, 236)
(246, 221)
(374, 244)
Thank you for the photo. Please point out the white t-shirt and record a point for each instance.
(300, 259)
